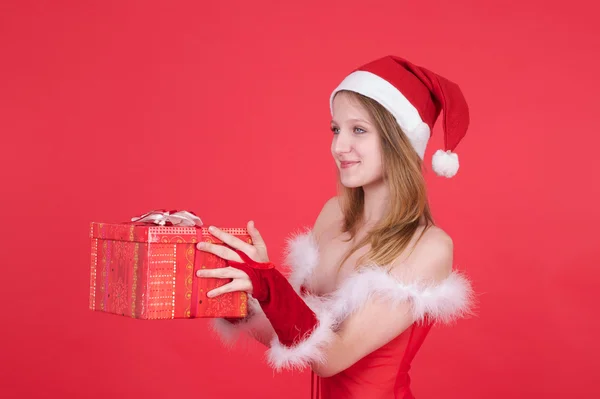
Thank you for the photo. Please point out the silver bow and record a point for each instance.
(181, 218)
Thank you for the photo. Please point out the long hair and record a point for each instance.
(408, 202)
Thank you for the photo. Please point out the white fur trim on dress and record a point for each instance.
(254, 324)
(442, 301)
(302, 255)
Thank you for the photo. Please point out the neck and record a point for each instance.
(376, 203)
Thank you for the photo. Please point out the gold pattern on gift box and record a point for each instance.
(243, 304)
(243, 296)
(103, 274)
(136, 260)
(234, 231)
(118, 289)
(93, 267)
(174, 280)
(144, 298)
(161, 234)
(160, 280)
(131, 229)
(189, 266)
(175, 239)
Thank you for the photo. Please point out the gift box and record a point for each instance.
(147, 270)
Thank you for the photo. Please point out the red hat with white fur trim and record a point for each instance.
(415, 96)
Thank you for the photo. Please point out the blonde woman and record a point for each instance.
(374, 273)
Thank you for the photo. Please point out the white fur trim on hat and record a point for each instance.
(370, 85)
(419, 138)
(445, 163)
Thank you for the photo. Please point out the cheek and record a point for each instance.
(371, 152)
(373, 159)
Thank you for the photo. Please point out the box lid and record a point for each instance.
(145, 232)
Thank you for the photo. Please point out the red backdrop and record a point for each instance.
(109, 109)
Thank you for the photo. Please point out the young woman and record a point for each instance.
(374, 273)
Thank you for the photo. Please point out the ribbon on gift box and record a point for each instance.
(162, 217)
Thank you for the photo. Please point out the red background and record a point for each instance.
(109, 109)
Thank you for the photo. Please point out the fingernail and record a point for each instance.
(211, 229)
(199, 273)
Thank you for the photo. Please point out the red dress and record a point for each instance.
(382, 374)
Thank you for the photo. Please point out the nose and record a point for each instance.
(342, 143)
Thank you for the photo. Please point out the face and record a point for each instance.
(356, 145)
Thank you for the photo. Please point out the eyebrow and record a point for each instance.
(353, 120)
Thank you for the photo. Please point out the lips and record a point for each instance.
(347, 164)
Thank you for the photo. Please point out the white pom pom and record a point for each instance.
(445, 163)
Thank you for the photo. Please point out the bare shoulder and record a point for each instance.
(431, 258)
(330, 213)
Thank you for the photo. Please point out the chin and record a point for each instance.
(355, 182)
(351, 183)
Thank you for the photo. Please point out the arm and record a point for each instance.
(380, 320)
(256, 324)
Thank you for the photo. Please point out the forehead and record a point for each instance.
(346, 107)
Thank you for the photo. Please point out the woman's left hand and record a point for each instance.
(256, 251)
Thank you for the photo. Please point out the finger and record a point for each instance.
(219, 250)
(221, 272)
(230, 240)
(257, 239)
(234, 286)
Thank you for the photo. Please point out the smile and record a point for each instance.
(346, 165)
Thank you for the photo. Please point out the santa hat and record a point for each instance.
(415, 96)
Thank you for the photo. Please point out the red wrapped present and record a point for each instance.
(146, 269)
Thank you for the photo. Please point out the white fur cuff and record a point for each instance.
(310, 350)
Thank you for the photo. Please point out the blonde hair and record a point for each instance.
(408, 194)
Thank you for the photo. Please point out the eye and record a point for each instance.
(334, 130)
(361, 130)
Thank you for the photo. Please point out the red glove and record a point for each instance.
(289, 315)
